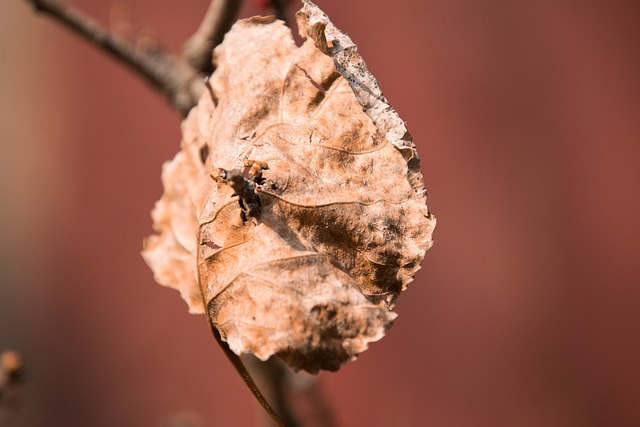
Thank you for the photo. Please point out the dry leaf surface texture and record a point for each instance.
(295, 212)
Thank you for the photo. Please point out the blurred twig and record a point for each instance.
(181, 80)
(11, 375)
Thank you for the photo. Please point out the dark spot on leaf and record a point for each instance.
(211, 244)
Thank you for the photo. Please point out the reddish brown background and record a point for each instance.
(526, 311)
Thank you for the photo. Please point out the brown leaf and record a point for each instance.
(316, 218)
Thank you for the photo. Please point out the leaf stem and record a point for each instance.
(244, 374)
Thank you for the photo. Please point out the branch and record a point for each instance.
(198, 50)
(180, 83)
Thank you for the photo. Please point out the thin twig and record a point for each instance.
(198, 49)
(177, 81)
(280, 9)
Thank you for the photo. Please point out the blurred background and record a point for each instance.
(526, 312)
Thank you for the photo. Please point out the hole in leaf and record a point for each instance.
(204, 153)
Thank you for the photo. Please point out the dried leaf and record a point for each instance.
(316, 218)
